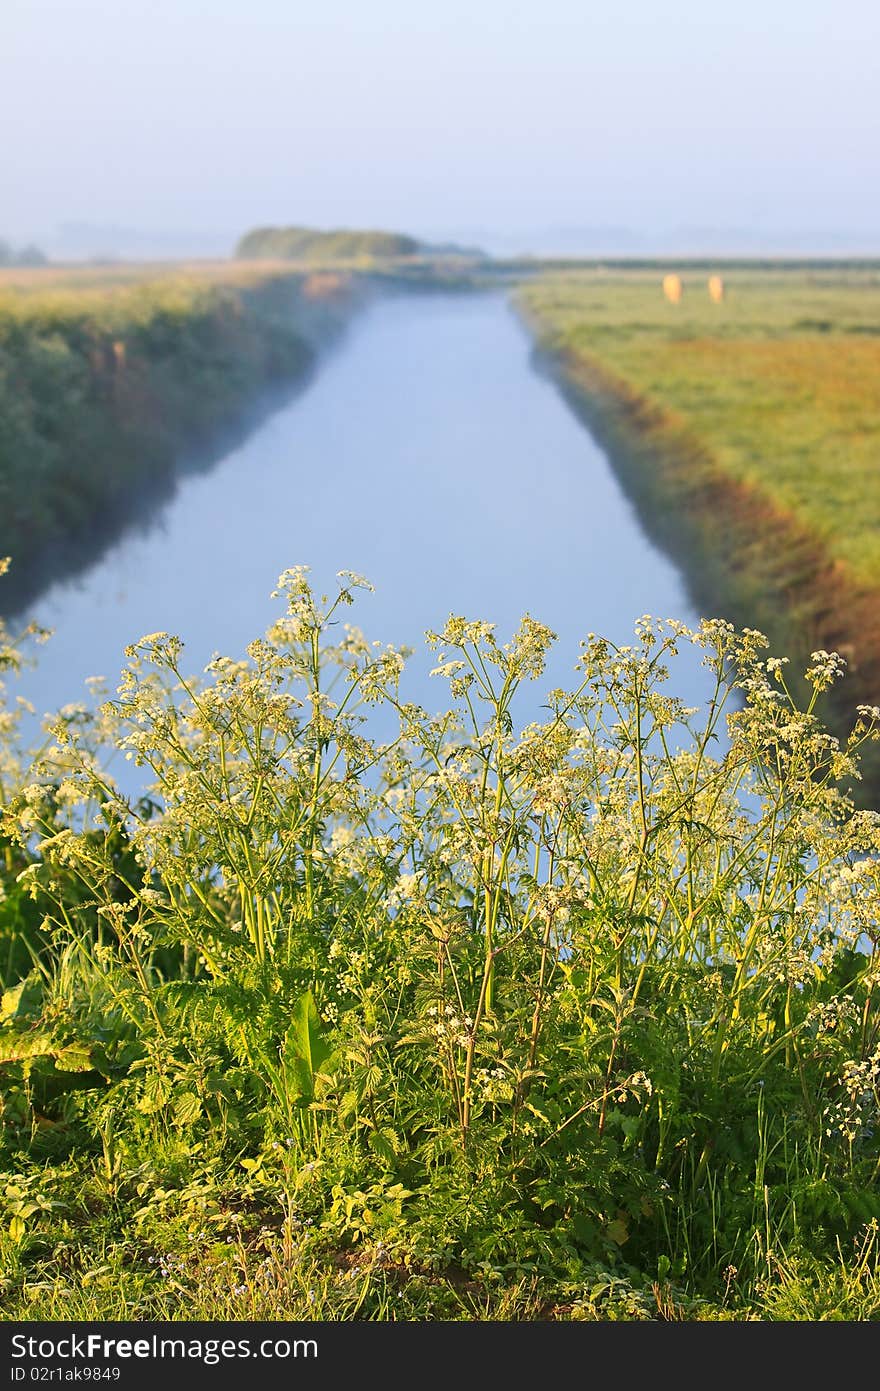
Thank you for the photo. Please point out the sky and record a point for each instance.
(527, 126)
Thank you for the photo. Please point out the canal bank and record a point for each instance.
(108, 392)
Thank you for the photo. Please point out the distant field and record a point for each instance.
(781, 381)
(109, 279)
(748, 431)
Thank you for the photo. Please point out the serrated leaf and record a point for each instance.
(381, 1143)
(348, 1105)
(220, 1086)
(187, 1108)
(538, 1114)
(156, 1094)
(21, 1000)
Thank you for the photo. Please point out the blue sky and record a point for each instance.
(514, 122)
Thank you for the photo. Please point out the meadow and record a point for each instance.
(571, 1021)
(747, 433)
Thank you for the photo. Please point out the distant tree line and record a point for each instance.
(23, 256)
(307, 244)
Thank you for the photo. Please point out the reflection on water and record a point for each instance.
(427, 455)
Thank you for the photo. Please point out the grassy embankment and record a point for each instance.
(111, 378)
(748, 435)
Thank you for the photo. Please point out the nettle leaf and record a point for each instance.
(305, 1049)
(187, 1108)
(156, 1094)
(218, 1085)
(385, 1144)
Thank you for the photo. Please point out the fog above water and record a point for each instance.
(427, 455)
(168, 127)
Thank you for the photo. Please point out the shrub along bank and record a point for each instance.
(310, 244)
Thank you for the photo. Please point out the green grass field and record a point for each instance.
(780, 382)
(747, 433)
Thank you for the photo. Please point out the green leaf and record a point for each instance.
(75, 1058)
(381, 1142)
(583, 1229)
(617, 1232)
(21, 1000)
(187, 1108)
(26, 1210)
(305, 1049)
(157, 1093)
(15, 1046)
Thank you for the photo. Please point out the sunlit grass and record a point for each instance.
(779, 382)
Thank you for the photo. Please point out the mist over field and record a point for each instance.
(165, 128)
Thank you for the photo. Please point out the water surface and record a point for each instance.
(428, 455)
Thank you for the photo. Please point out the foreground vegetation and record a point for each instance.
(748, 433)
(108, 379)
(573, 1020)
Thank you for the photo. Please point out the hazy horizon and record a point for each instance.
(168, 127)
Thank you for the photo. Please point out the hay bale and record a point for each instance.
(672, 288)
